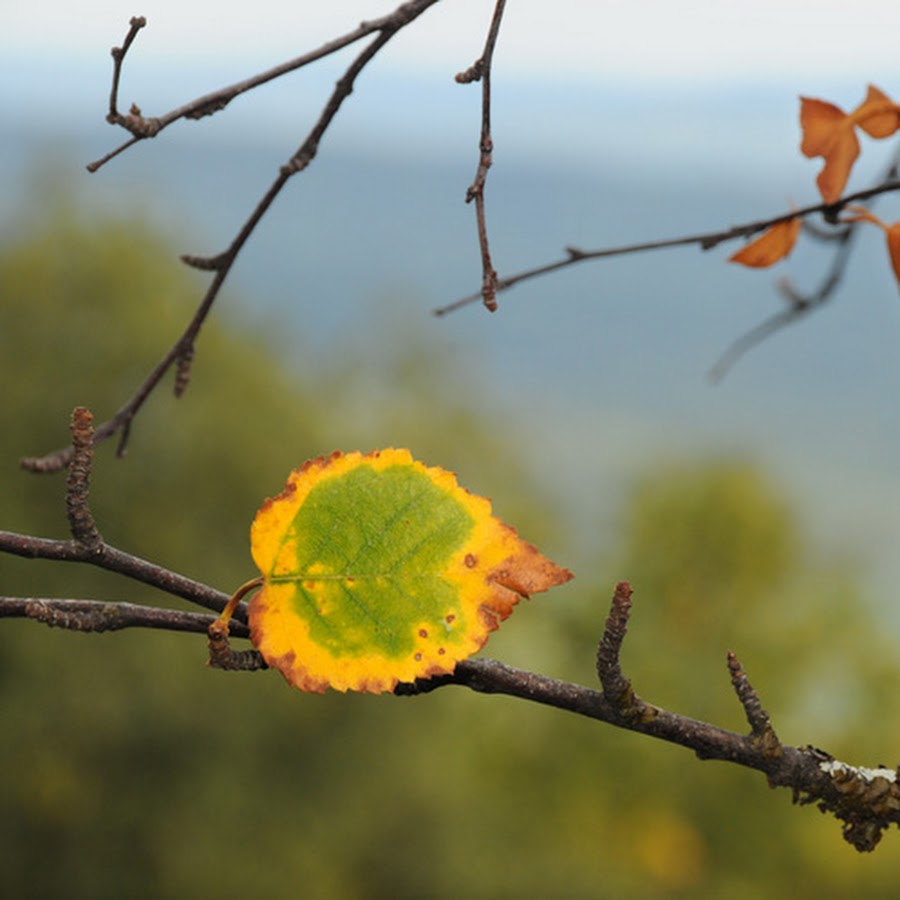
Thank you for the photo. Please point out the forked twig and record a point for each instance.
(142, 128)
(86, 544)
(182, 352)
(800, 304)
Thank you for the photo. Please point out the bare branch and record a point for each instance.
(142, 128)
(481, 71)
(758, 719)
(844, 239)
(755, 336)
(705, 241)
(100, 616)
(118, 55)
(799, 303)
(866, 801)
(114, 560)
(120, 423)
(182, 353)
(616, 687)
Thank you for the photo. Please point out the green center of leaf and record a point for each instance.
(371, 547)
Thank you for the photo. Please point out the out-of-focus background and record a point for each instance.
(757, 514)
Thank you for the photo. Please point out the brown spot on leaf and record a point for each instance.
(470, 561)
(423, 633)
(488, 616)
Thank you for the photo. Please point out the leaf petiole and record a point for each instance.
(221, 656)
(236, 597)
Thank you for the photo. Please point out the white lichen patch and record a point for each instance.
(833, 766)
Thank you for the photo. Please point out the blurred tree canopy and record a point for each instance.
(134, 771)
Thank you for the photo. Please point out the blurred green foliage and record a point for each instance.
(132, 770)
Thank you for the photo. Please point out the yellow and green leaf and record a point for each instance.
(378, 569)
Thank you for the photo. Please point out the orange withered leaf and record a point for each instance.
(819, 122)
(828, 132)
(771, 246)
(878, 115)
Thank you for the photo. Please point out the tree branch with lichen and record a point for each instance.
(866, 801)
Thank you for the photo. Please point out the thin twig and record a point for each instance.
(182, 352)
(481, 71)
(800, 304)
(761, 729)
(705, 241)
(115, 560)
(616, 687)
(844, 238)
(142, 128)
(753, 337)
(118, 55)
(100, 616)
(81, 520)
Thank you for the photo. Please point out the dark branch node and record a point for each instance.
(221, 656)
(473, 73)
(136, 123)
